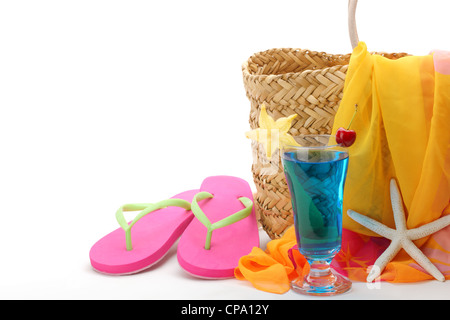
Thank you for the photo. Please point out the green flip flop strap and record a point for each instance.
(200, 215)
(146, 209)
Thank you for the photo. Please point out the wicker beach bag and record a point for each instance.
(292, 81)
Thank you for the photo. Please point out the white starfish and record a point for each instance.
(401, 237)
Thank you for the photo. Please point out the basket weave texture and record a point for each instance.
(290, 81)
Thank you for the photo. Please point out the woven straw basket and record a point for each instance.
(292, 81)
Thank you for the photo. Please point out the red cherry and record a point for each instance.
(345, 137)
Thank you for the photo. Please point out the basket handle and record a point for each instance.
(354, 39)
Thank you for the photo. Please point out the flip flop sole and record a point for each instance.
(228, 244)
(152, 237)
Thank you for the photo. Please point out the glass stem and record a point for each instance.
(320, 274)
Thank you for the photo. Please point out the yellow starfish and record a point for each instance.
(272, 134)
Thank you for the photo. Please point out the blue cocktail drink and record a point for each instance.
(316, 191)
(316, 174)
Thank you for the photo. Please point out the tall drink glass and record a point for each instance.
(315, 173)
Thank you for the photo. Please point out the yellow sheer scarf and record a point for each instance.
(403, 132)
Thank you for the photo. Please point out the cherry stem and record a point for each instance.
(354, 114)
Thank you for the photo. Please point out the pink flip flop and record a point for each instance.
(225, 228)
(143, 242)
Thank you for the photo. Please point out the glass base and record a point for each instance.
(329, 285)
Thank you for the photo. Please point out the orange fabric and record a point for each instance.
(272, 270)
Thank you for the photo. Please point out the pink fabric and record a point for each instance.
(438, 254)
(358, 252)
(441, 61)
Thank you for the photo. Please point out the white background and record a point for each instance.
(111, 102)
